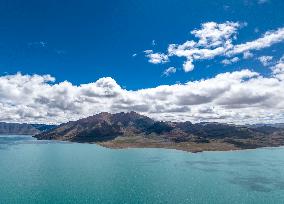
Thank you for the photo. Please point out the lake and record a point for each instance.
(34, 171)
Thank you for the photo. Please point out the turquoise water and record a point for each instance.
(55, 172)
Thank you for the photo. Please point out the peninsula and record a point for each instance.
(132, 130)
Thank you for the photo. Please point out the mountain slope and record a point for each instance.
(100, 127)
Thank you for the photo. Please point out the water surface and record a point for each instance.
(56, 172)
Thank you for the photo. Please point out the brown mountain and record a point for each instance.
(100, 127)
(131, 129)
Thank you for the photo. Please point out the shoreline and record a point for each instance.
(190, 147)
(194, 152)
(178, 149)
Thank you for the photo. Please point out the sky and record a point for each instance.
(195, 60)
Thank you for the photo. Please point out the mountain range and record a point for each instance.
(123, 130)
(22, 128)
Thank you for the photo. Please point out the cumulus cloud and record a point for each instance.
(241, 96)
(265, 60)
(156, 58)
(213, 34)
(214, 40)
(247, 55)
(230, 61)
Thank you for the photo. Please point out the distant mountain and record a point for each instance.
(23, 129)
(134, 130)
(276, 125)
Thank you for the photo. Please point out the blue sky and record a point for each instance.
(195, 60)
(86, 40)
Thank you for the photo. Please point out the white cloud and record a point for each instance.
(230, 61)
(156, 58)
(265, 60)
(247, 55)
(241, 97)
(148, 51)
(278, 69)
(215, 40)
(268, 39)
(169, 71)
(213, 34)
(188, 66)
